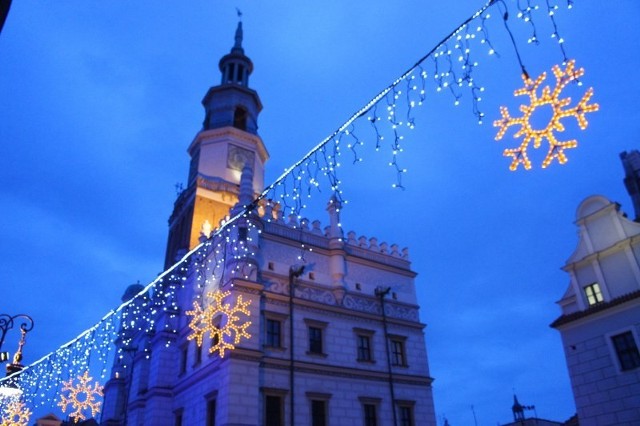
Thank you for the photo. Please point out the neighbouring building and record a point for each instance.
(600, 321)
(335, 339)
(520, 418)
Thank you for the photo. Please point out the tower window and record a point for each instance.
(593, 293)
(239, 76)
(232, 68)
(243, 233)
(240, 118)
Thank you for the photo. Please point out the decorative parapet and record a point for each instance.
(312, 232)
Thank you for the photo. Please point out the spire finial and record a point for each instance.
(238, 43)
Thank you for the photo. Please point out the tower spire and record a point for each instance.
(237, 47)
(227, 142)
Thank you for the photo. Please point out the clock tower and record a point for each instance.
(228, 140)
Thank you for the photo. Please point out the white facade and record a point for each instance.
(345, 347)
(337, 295)
(600, 321)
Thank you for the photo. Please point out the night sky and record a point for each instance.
(100, 99)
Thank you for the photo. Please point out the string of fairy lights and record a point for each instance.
(65, 377)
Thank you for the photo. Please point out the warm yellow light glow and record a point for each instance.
(551, 98)
(206, 321)
(80, 397)
(16, 414)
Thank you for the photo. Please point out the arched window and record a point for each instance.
(240, 118)
(231, 72)
(240, 76)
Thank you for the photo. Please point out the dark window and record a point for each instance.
(274, 333)
(318, 413)
(211, 412)
(231, 72)
(627, 351)
(240, 72)
(177, 418)
(593, 293)
(370, 418)
(273, 411)
(183, 359)
(315, 340)
(397, 352)
(240, 118)
(406, 415)
(243, 232)
(364, 348)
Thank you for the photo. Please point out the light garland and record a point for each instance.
(81, 397)
(231, 251)
(551, 98)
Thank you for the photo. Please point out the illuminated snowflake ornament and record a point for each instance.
(559, 111)
(15, 414)
(220, 320)
(81, 397)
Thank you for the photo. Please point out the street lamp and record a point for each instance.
(6, 324)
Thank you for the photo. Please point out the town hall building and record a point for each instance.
(332, 339)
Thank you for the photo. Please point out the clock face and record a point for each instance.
(237, 157)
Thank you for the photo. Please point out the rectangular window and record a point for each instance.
(397, 352)
(183, 359)
(274, 334)
(370, 418)
(177, 417)
(593, 293)
(315, 340)
(318, 413)
(364, 348)
(273, 411)
(211, 412)
(627, 350)
(406, 415)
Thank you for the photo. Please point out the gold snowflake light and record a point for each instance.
(221, 321)
(559, 111)
(16, 414)
(80, 397)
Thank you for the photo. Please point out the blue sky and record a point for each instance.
(99, 101)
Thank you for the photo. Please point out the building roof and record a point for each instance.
(599, 307)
